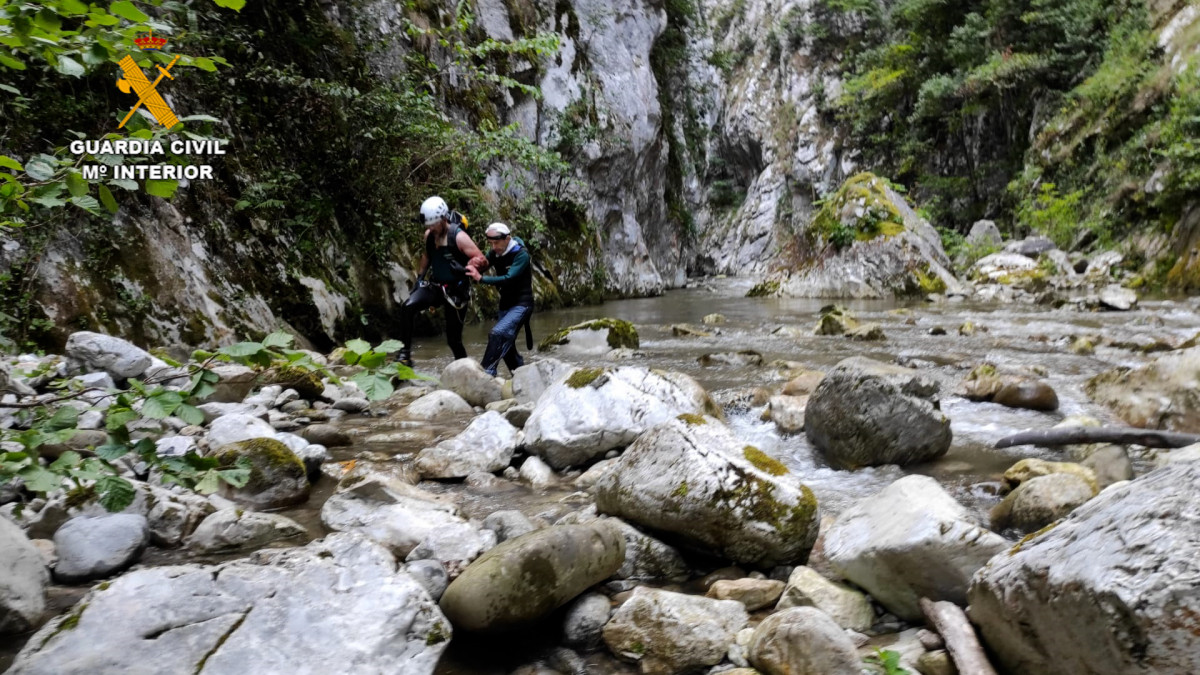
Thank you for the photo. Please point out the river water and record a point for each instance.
(1014, 335)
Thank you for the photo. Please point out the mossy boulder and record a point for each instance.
(525, 578)
(277, 476)
(1032, 467)
(593, 337)
(1041, 500)
(866, 242)
(1013, 390)
(705, 488)
(835, 320)
(307, 383)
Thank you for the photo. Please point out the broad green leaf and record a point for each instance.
(115, 492)
(10, 62)
(72, 7)
(239, 476)
(278, 339)
(10, 163)
(375, 387)
(95, 55)
(210, 483)
(106, 198)
(358, 346)
(91, 469)
(389, 346)
(39, 479)
(87, 203)
(235, 5)
(66, 461)
(125, 183)
(119, 417)
(65, 417)
(162, 405)
(39, 169)
(102, 18)
(10, 89)
(112, 451)
(69, 66)
(162, 188)
(77, 186)
(146, 448)
(242, 349)
(126, 10)
(372, 360)
(204, 64)
(190, 413)
(48, 201)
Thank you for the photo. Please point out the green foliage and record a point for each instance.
(1057, 217)
(860, 210)
(94, 472)
(886, 662)
(45, 41)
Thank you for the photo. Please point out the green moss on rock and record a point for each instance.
(694, 420)
(621, 334)
(861, 210)
(307, 383)
(582, 377)
(763, 462)
(764, 289)
(269, 459)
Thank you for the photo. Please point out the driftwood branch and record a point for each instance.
(951, 623)
(1120, 435)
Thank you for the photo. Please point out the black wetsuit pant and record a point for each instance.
(435, 295)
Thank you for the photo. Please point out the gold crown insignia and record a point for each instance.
(150, 42)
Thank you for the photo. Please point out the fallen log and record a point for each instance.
(952, 624)
(1150, 438)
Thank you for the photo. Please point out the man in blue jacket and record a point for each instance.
(515, 282)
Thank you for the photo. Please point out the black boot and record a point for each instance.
(405, 357)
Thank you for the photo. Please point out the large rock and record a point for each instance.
(438, 405)
(1041, 500)
(753, 593)
(528, 577)
(237, 427)
(592, 338)
(231, 529)
(530, 380)
(597, 409)
(803, 641)
(235, 383)
(646, 558)
(1159, 395)
(23, 583)
(867, 413)
(984, 233)
(388, 511)
(667, 633)
(338, 605)
(849, 608)
(468, 379)
(693, 478)
(454, 545)
(117, 357)
(867, 242)
(278, 478)
(1118, 298)
(984, 383)
(1109, 590)
(584, 622)
(1003, 268)
(486, 445)
(95, 547)
(909, 541)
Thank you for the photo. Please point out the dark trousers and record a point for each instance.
(432, 295)
(502, 340)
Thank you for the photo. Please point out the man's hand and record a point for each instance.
(474, 274)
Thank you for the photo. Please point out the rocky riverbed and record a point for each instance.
(738, 477)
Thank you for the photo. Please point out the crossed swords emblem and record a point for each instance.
(136, 81)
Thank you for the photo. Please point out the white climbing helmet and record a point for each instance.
(433, 210)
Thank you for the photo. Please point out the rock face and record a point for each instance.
(867, 413)
(95, 547)
(888, 250)
(1109, 590)
(528, 577)
(277, 476)
(691, 477)
(467, 378)
(666, 633)
(486, 445)
(1159, 395)
(592, 338)
(95, 351)
(23, 584)
(803, 641)
(265, 614)
(230, 529)
(597, 409)
(909, 541)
